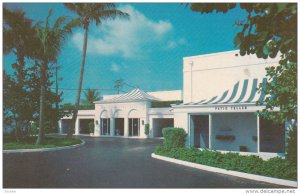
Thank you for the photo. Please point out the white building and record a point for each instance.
(126, 115)
(217, 107)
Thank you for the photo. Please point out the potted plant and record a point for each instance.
(91, 128)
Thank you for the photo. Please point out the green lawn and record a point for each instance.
(10, 143)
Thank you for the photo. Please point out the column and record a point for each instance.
(209, 131)
(126, 127)
(97, 128)
(60, 130)
(192, 64)
(77, 126)
(112, 127)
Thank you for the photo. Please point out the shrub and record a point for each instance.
(147, 127)
(91, 127)
(292, 147)
(174, 137)
(274, 167)
(33, 128)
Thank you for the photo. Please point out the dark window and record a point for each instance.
(272, 136)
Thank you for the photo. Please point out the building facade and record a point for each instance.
(217, 107)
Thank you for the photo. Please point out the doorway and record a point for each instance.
(105, 126)
(119, 126)
(134, 126)
(200, 131)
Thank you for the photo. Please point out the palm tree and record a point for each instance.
(50, 43)
(91, 95)
(87, 13)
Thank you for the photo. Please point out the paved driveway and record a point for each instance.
(110, 163)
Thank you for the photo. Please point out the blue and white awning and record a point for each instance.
(244, 91)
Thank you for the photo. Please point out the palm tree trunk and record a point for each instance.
(40, 138)
(75, 111)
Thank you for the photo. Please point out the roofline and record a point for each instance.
(210, 54)
(214, 105)
(110, 102)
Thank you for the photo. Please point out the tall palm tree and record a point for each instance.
(91, 95)
(50, 43)
(87, 13)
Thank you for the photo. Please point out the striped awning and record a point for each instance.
(135, 95)
(244, 91)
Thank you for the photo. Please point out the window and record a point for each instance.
(272, 136)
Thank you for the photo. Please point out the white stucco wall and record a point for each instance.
(242, 125)
(122, 110)
(205, 76)
(167, 95)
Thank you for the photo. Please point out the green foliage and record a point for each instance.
(90, 95)
(174, 137)
(292, 147)
(50, 41)
(29, 142)
(275, 167)
(67, 108)
(147, 129)
(91, 127)
(160, 104)
(33, 128)
(270, 29)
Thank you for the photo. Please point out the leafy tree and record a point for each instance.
(270, 29)
(87, 13)
(50, 41)
(18, 34)
(91, 95)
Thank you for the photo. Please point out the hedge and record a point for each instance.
(174, 137)
(274, 167)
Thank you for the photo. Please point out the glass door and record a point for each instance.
(134, 127)
(105, 126)
(200, 129)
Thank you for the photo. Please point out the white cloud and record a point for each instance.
(173, 43)
(128, 38)
(115, 67)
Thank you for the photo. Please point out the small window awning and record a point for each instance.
(132, 96)
(243, 92)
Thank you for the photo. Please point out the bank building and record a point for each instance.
(216, 107)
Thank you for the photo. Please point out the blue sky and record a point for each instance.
(145, 51)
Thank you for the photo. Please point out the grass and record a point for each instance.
(10, 143)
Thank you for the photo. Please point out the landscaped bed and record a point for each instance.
(275, 167)
(10, 143)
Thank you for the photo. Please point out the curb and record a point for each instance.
(228, 172)
(44, 149)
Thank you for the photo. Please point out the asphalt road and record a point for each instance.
(110, 163)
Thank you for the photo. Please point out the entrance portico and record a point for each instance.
(125, 115)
